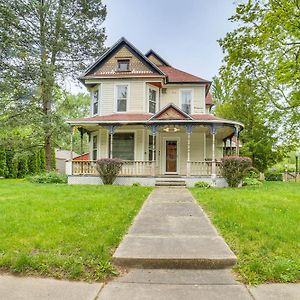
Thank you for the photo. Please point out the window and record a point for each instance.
(151, 142)
(152, 101)
(122, 91)
(123, 65)
(95, 102)
(123, 145)
(186, 101)
(95, 147)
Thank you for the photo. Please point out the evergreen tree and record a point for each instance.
(22, 167)
(42, 161)
(3, 167)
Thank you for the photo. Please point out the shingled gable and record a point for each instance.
(171, 112)
(122, 43)
(156, 57)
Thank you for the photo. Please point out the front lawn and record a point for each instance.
(261, 225)
(64, 231)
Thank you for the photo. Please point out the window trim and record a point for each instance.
(116, 97)
(148, 100)
(99, 90)
(92, 146)
(123, 59)
(192, 99)
(134, 131)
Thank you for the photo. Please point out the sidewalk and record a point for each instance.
(31, 288)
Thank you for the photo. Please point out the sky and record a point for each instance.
(183, 32)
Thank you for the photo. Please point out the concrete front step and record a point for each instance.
(171, 231)
(170, 182)
(176, 252)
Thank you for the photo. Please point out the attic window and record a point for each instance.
(123, 65)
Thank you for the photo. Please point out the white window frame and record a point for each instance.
(116, 97)
(97, 147)
(99, 90)
(148, 100)
(134, 131)
(192, 98)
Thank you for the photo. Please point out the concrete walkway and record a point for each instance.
(175, 253)
(172, 231)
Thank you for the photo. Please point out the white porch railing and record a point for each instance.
(143, 168)
(203, 168)
(137, 168)
(129, 168)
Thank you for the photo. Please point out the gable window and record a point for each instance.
(152, 100)
(95, 102)
(123, 65)
(122, 95)
(94, 147)
(123, 145)
(186, 101)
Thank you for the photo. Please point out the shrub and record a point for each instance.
(273, 176)
(233, 168)
(108, 169)
(50, 177)
(202, 185)
(136, 184)
(247, 181)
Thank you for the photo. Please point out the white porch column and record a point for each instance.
(69, 165)
(111, 130)
(189, 129)
(213, 131)
(153, 129)
(237, 146)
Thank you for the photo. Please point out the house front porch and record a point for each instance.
(157, 149)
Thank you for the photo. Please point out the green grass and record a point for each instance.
(261, 225)
(64, 231)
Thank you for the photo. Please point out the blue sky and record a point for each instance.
(184, 32)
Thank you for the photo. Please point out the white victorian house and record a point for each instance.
(154, 117)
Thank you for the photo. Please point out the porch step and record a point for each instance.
(170, 182)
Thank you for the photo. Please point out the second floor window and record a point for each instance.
(123, 65)
(122, 95)
(186, 101)
(152, 101)
(95, 102)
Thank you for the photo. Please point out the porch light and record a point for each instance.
(172, 128)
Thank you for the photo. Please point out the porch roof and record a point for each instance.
(147, 119)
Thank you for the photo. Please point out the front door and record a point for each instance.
(171, 156)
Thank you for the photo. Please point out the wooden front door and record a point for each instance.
(171, 156)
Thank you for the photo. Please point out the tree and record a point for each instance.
(266, 47)
(42, 42)
(242, 102)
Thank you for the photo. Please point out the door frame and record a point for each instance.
(164, 158)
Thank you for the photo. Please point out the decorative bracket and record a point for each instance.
(111, 128)
(213, 129)
(153, 128)
(189, 128)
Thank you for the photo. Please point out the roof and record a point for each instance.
(150, 119)
(84, 156)
(209, 99)
(158, 57)
(109, 53)
(64, 154)
(171, 112)
(177, 76)
(117, 117)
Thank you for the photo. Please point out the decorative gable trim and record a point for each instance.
(158, 57)
(171, 112)
(117, 46)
